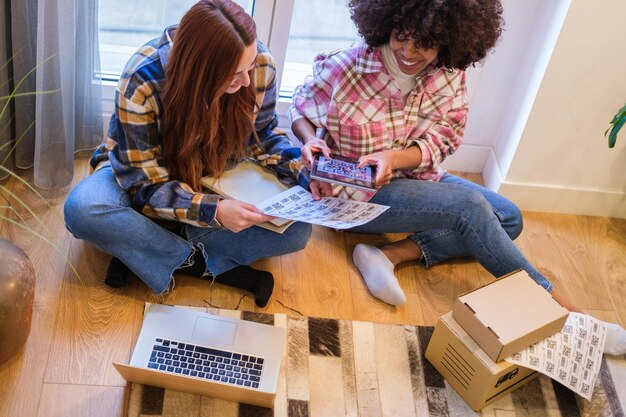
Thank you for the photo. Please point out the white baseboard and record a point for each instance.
(493, 176)
(468, 158)
(539, 197)
(570, 200)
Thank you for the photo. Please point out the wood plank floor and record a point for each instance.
(80, 326)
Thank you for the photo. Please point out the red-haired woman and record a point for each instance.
(189, 104)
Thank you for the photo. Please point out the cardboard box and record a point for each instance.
(509, 315)
(467, 368)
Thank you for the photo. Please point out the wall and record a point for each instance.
(562, 162)
(502, 88)
(539, 106)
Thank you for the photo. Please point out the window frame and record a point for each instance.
(273, 24)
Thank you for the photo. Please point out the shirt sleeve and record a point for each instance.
(312, 99)
(136, 159)
(274, 149)
(446, 134)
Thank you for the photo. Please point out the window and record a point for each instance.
(316, 26)
(294, 30)
(126, 25)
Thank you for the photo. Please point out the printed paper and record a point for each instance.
(298, 204)
(572, 357)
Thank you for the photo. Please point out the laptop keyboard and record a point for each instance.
(206, 363)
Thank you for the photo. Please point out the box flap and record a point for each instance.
(472, 346)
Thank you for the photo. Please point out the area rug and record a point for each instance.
(337, 368)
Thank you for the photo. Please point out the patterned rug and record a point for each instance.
(347, 368)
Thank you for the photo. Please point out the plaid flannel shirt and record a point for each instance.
(134, 143)
(360, 108)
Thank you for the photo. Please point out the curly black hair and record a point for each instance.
(463, 31)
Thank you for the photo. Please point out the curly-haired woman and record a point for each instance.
(399, 103)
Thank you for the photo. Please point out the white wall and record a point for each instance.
(503, 87)
(540, 103)
(562, 162)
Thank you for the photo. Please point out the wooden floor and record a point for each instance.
(81, 326)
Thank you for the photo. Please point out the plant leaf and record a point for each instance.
(7, 125)
(17, 86)
(5, 193)
(16, 142)
(32, 93)
(23, 204)
(615, 125)
(616, 128)
(23, 181)
(54, 246)
(10, 207)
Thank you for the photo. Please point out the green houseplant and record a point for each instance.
(616, 124)
(17, 275)
(9, 201)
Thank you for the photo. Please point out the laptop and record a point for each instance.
(190, 350)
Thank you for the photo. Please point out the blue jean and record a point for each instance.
(454, 218)
(99, 211)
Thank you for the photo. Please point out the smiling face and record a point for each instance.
(246, 64)
(411, 59)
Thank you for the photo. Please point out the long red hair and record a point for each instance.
(202, 125)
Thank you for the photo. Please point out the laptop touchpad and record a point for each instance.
(214, 331)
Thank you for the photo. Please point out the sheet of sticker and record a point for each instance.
(298, 204)
(572, 357)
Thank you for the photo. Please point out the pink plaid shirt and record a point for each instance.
(354, 99)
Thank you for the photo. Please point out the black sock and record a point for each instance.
(117, 274)
(198, 269)
(259, 283)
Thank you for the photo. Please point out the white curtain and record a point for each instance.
(58, 39)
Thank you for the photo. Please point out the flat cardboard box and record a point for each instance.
(508, 315)
(467, 368)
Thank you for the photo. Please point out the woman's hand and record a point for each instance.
(312, 146)
(320, 189)
(236, 215)
(384, 162)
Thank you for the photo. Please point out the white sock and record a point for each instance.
(377, 271)
(615, 340)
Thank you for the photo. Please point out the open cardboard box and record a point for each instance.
(467, 368)
(509, 314)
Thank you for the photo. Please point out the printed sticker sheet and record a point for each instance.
(298, 204)
(572, 357)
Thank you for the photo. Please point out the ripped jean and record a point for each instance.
(454, 218)
(100, 212)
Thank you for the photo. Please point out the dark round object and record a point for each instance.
(17, 293)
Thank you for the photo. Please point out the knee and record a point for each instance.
(475, 202)
(510, 217)
(507, 213)
(85, 209)
(77, 212)
(298, 235)
(514, 224)
(473, 208)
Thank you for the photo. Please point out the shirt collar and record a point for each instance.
(165, 44)
(368, 60)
